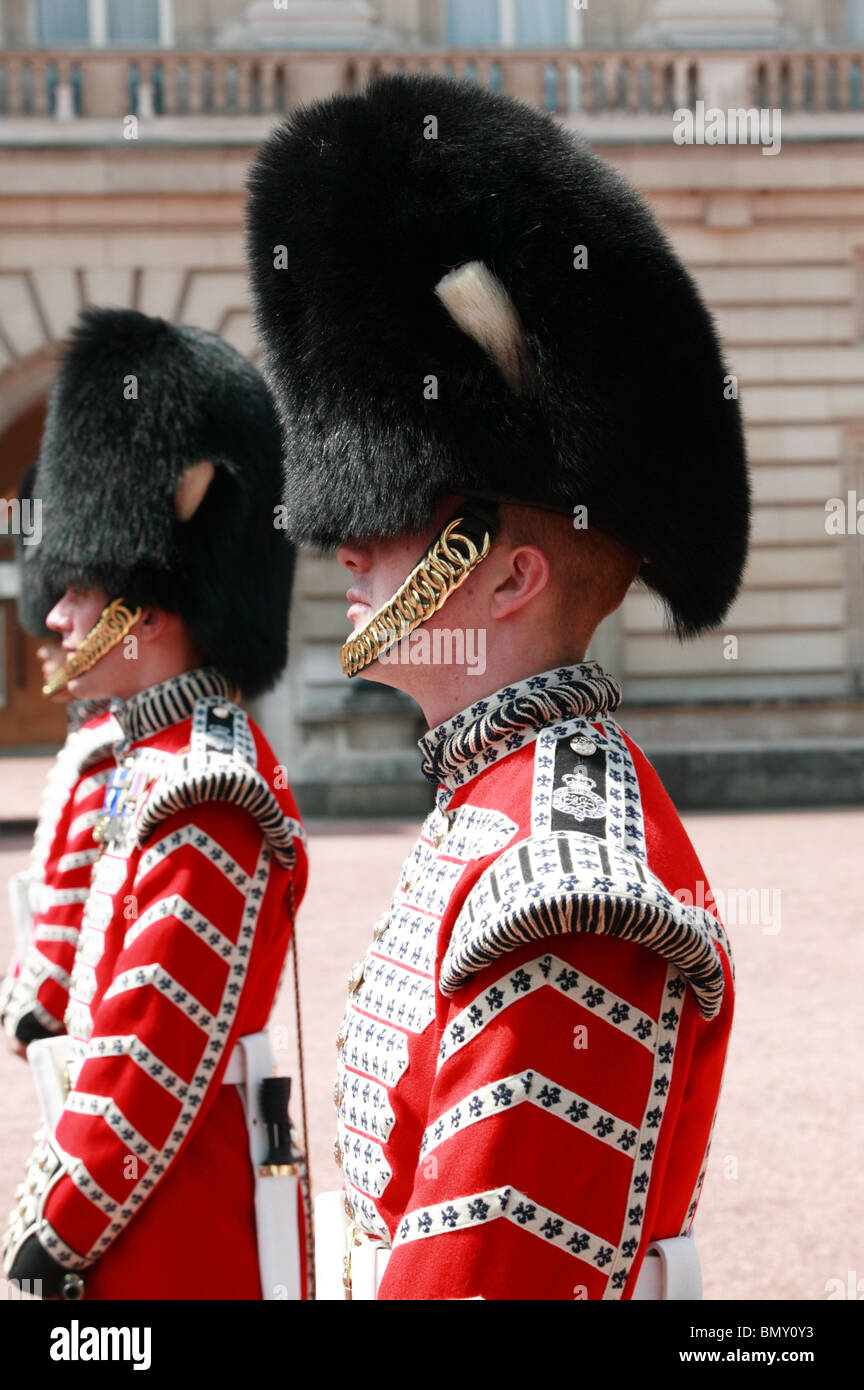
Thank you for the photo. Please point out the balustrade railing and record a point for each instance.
(70, 84)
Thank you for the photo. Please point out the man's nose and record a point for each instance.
(356, 558)
(59, 619)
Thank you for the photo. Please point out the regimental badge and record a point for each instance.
(220, 727)
(578, 798)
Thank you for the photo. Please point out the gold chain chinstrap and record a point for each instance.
(114, 623)
(446, 564)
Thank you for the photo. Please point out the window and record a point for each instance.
(63, 21)
(527, 23)
(133, 21)
(473, 23)
(542, 22)
(123, 23)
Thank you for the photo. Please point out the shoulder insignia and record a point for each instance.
(568, 881)
(220, 727)
(220, 766)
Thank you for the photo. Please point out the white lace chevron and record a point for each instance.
(85, 821)
(506, 1093)
(555, 973)
(176, 906)
(142, 976)
(45, 931)
(218, 1028)
(77, 860)
(87, 1103)
(130, 1045)
(212, 851)
(59, 1250)
(90, 1188)
(91, 784)
(504, 1203)
(649, 1130)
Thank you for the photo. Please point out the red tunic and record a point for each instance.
(181, 949)
(53, 888)
(533, 1049)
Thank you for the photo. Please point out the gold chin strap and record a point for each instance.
(113, 624)
(463, 543)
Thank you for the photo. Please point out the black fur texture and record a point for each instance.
(109, 465)
(35, 599)
(628, 417)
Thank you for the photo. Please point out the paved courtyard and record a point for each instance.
(782, 1211)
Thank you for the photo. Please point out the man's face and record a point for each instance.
(72, 618)
(378, 567)
(52, 656)
(415, 664)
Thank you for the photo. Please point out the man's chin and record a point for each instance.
(87, 686)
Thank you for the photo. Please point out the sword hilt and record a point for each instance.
(274, 1099)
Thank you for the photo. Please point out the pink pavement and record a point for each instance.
(782, 1211)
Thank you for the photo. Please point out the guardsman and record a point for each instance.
(503, 399)
(47, 898)
(159, 474)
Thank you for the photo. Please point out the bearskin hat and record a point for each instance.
(160, 472)
(35, 599)
(605, 388)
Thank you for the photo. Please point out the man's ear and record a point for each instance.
(526, 575)
(151, 624)
(191, 489)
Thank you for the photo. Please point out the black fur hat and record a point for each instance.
(608, 390)
(137, 402)
(35, 599)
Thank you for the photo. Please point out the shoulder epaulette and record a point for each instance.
(568, 882)
(221, 765)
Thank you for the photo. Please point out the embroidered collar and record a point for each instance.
(167, 703)
(458, 749)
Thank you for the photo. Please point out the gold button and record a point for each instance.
(337, 1153)
(381, 927)
(338, 1093)
(349, 1210)
(357, 976)
(342, 1035)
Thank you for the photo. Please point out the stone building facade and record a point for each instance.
(125, 134)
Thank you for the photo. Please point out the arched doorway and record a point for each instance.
(27, 720)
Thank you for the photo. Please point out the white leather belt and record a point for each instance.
(235, 1072)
